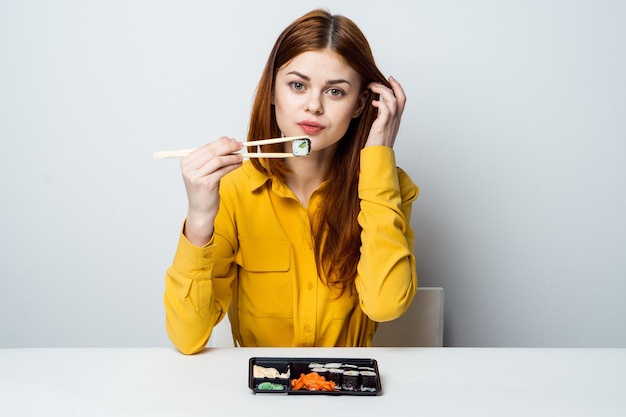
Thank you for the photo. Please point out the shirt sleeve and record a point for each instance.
(191, 307)
(386, 276)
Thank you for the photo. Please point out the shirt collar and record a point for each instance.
(257, 179)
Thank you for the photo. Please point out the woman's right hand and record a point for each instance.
(202, 171)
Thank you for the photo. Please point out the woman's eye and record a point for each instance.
(296, 85)
(335, 92)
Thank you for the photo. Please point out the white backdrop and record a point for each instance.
(514, 131)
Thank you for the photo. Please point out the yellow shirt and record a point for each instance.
(260, 266)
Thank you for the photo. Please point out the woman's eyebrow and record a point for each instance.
(307, 78)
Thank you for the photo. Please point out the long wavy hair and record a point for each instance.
(336, 232)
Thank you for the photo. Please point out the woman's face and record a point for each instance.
(317, 94)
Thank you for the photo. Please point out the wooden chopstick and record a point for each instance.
(181, 153)
(265, 154)
(274, 140)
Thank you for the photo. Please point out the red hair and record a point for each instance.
(336, 232)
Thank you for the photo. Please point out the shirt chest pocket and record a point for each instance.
(265, 278)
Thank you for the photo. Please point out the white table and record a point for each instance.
(415, 381)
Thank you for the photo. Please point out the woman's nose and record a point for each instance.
(314, 104)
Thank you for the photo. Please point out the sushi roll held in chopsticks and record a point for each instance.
(301, 147)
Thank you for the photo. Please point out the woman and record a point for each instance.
(304, 251)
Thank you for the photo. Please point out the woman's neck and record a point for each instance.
(307, 173)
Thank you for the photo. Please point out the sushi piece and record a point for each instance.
(321, 371)
(301, 147)
(350, 381)
(334, 374)
(316, 365)
(333, 365)
(368, 380)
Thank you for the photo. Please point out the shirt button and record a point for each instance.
(310, 286)
(307, 329)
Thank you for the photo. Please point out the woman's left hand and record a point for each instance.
(390, 107)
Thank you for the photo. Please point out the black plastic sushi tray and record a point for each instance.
(314, 376)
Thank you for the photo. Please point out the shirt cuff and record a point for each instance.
(378, 169)
(194, 261)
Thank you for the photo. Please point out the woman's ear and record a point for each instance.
(360, 104)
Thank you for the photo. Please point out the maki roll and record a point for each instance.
(334, 374)
(350, 380)
(321, 371)
(368, 381)
(301, 147)
(332, 365)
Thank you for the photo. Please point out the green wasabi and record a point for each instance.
(270, 386)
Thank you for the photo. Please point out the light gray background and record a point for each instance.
(514, 130)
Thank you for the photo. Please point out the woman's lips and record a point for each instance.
(310, 128)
